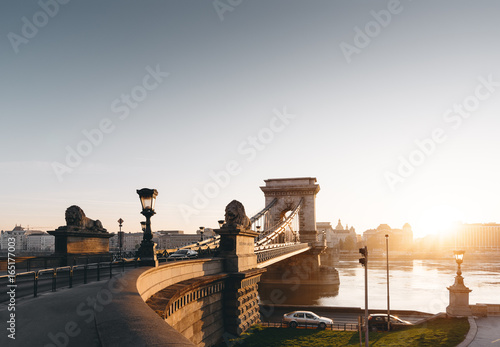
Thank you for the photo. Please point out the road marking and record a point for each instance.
(497, 340)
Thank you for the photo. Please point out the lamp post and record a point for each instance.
(201, 233)
(459, 293)
(120, 237)
(146, 252)
(388, 301)
(364, 261)
(459, 258)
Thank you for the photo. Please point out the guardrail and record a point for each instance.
(29, 282)
(267, 254)
(334, 326)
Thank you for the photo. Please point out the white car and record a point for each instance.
(306, 318)
(183, 254)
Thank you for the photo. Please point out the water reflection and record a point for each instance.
(414, 285)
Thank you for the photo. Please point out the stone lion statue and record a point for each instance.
(235, 214)
(75, 217)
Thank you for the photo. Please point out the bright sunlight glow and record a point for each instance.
(436, 220)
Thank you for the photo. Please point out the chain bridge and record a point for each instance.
(286, 226)
(198, 302)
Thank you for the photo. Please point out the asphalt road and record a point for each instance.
(339, 316)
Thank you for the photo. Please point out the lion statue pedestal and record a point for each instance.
(241, 305)
(82, 238)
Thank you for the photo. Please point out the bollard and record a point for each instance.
(35, 285)
(71, 277)
(54, 279)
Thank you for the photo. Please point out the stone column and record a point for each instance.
(237, 248)
(459, 299)
(241, 306)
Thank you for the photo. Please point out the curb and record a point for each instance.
(471, 334)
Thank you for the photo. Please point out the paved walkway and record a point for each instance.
(63, 318)
(488, 332)
(105, 313)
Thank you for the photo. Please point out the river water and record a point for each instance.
(414, 285)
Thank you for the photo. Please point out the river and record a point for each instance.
(414, 285)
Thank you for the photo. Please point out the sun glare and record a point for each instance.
(437, 220)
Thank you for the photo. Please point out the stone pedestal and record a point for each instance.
(459, 299)
(237, 248)
(72, 243)
(241, 305)
(147, 254)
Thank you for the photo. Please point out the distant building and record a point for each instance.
(39, 241)
(339, 236)
(18, 234)
(479, 237)
(400, 240)
(27, 240)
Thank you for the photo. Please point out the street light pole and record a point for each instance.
(120, 237)
(364, 261)
(146, 250)
(388, 300)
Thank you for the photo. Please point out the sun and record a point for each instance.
(437, 220)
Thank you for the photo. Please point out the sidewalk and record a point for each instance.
(488, 332)
(105, 313)
(62, 318)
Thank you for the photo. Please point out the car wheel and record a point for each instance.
(321, 326)
(293, 325)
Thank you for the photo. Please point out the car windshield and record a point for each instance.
(181, 251)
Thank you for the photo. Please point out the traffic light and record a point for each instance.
(364, 251)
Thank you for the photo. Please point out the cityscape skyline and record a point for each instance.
(392, 106)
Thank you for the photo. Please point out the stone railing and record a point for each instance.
(128, 321)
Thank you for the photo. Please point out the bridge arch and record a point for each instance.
(289, 192)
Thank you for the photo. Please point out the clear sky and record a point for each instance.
(393, 107)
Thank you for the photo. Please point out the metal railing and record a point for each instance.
(278, 250)
(60, 277)
(334, 326)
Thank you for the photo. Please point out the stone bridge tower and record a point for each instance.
(289, 192)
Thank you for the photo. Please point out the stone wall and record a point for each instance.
(196, 311)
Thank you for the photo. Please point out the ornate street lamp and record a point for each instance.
(459, 258)
(120, 237)
(459, 293)
(146, 252)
